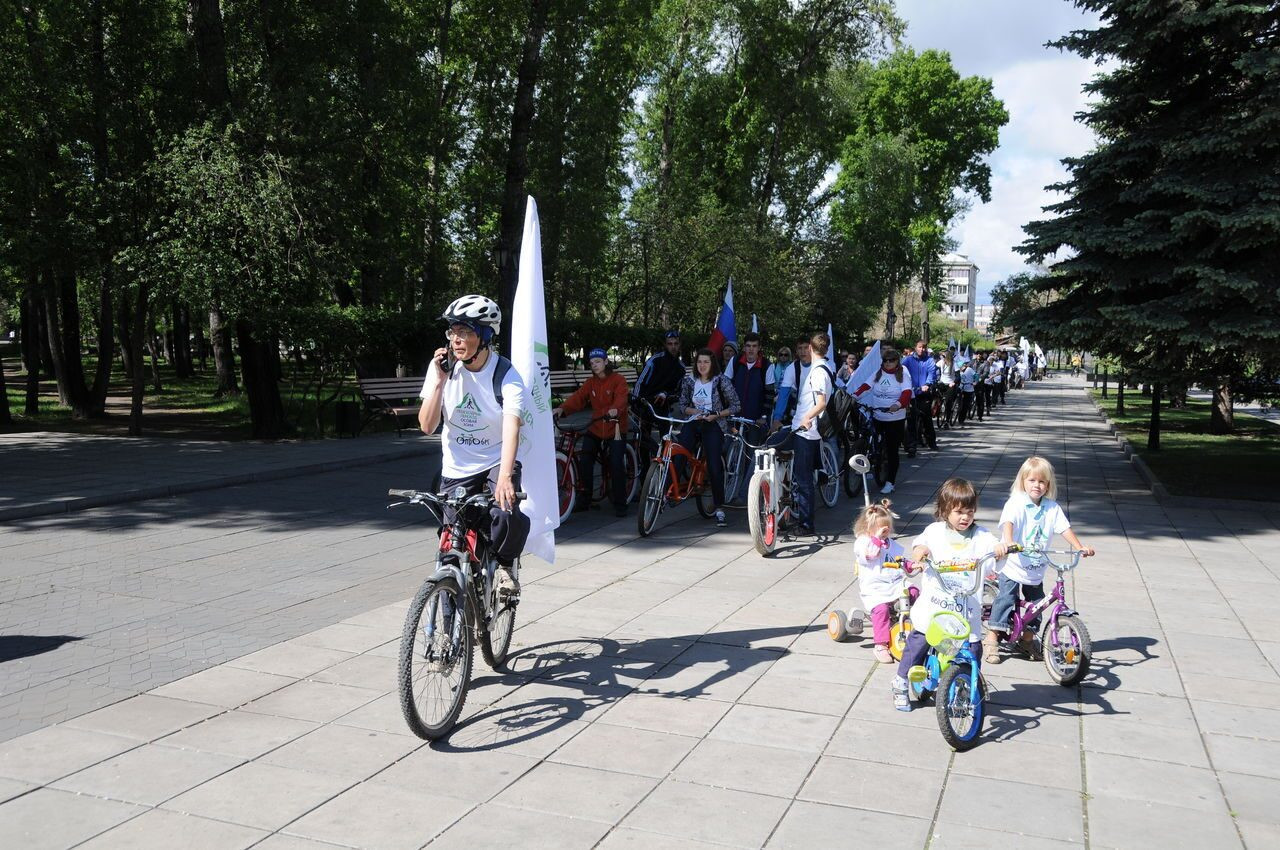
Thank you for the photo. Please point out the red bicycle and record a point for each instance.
(571, 427)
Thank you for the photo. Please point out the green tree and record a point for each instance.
(1172, 224)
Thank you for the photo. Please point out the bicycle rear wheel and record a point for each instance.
(631, 465)
(734, 469)
(827, 476)
(495, 641)
(436, 650)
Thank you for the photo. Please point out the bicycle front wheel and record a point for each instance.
(959, 709)
(827, 476)
(761, 518)
(631, 465)
(734, 469)
(653, 494)
(1067, 649)
(566, 484)
(436, 652)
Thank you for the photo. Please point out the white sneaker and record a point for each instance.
(720, 520)
(887, 488)
(508, 584)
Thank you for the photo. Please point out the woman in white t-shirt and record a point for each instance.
(1030, 518)
(890, 390)
(712, 398)
(480, 396)
(953, 537)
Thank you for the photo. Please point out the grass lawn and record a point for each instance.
(183, 407)
(1193, 462)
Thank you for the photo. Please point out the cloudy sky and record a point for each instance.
(1040, 87)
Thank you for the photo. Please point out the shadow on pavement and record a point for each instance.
(13, 647)
(595, 673)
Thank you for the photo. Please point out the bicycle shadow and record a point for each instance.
(1019, 707)
(588, 675)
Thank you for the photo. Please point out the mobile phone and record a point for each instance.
(446, 363)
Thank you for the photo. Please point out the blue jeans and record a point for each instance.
(802, 466)
(1007, 600)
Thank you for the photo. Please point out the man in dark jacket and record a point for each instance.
(753, 379)
(659, 384)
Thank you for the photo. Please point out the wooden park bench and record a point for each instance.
(396, 398)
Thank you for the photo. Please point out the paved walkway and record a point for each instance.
(680, 691)
(50, 473)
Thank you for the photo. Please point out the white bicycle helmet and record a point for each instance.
(476, 311)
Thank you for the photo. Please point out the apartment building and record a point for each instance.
(960, 279)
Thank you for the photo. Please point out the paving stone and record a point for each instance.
(158, 830)
(224, 686)
(1042, 812)
(1116, 822)
(1150, 781)
(813, 824)
(802, 695)
(472, 776)
(239, 733)
(578, 792)
(47, 819)
(663, 714)
(259, 795)
(948, 836)
(625, 837)
(383, 816)
(320, 702)
(56, 751)
(619, 748)
(715, 815)
(746, 767)
(148, 775)
(501, 826)
(1244, 755)
(864, 785)
(344, 751)
(145, 717)
(775, 727)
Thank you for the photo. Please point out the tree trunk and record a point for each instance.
(138, 377)
(1104, 382)
(1120, 382)
(181, 344)
(210, 43)
(6, 418)
(97, 395)
(1222, 418)
(202, 345)
(31, 348)
(1153, 431)
(224, 360)
(62, 319)
(513, 194)
(890, 316)
(155, 356)
(260, 370)
(124, 318)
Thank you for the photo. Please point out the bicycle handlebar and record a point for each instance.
(422, 496)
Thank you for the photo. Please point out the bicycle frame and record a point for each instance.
(670, 451)
(1054, 602)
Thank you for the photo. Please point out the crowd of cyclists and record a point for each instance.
(912, 395)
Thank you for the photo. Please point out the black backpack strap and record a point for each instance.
(499, 375)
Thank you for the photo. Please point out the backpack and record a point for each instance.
(839, 407)
(795, 396)
(827, 423)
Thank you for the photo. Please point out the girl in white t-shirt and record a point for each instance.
(953, 537)
(878, 585)
(1030, 518)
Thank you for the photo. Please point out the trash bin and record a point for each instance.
(346, 418)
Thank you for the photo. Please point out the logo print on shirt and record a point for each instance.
(468, 403)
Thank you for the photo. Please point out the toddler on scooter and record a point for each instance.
(879, 586)
(953, 537)
(1031, 517)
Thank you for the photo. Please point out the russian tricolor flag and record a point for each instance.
(726, 329)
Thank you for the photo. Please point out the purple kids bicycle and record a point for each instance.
(1064, 641)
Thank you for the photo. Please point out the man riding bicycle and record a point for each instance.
(480, 396)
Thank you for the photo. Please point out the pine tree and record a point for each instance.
(1172, 224)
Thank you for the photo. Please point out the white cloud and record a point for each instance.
(1041, 88)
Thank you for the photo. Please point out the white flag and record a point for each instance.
(755, 326)
(529, 355)
(1024, 345)
(831, 352)
(866, 370)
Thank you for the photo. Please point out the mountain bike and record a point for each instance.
(862, 438)
(571, 427)
(459, 605)
(663, 484)
(1064, 640)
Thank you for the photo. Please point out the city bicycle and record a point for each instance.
(571, 428)
(665, 486)
(769, 499)
(460, 604)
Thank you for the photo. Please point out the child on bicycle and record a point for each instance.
(1031, 517)
(879, 586)
(953, 537)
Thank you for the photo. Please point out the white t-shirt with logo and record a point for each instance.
(876, 584)
(704, 393)
(887, 392)
(472, 438)
(817, 382)
(1033, 527)
(937, 590)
